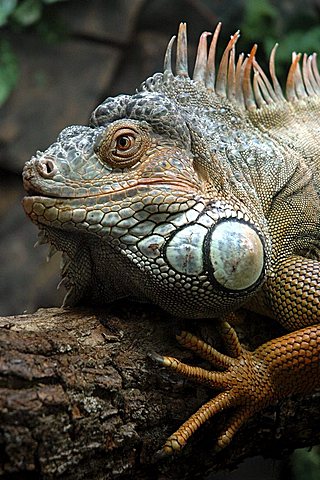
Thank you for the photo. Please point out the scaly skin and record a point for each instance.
(200, 195)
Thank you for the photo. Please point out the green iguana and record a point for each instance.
(201, 195)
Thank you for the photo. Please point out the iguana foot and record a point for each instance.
(243, 381)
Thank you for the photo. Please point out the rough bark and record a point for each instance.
(81, 399)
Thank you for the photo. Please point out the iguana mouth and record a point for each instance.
(179, 185)
(31, 192)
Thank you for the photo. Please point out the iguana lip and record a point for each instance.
(38, 195)
(179, 185)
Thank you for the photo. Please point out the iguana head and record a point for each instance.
(155, 199)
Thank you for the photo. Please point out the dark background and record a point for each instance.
(59, 59)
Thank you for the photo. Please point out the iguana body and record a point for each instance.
(201, 195)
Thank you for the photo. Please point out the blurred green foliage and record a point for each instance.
(9, 70)
(294, 25)
(305, 464)
(19, 15)
(24, 13)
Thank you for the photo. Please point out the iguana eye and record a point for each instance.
(122, 146)
(125, 143)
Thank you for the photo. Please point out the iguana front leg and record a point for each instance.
(250, 380)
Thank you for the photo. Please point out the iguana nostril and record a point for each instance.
(47, 167)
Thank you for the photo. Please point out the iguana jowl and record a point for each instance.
(200, 195)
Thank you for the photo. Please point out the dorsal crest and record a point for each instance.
(233, 79)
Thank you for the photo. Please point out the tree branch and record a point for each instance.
(80, 398)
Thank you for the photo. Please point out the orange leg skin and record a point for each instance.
(250, 380)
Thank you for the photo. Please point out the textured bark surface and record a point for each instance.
(81, 399)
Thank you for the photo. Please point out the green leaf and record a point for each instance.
(9, 70)
(28, 12)
(6, 8)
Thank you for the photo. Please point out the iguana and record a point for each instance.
(201, 195)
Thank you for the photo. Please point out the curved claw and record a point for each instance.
(156, 357)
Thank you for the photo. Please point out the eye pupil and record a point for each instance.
(123, 142)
